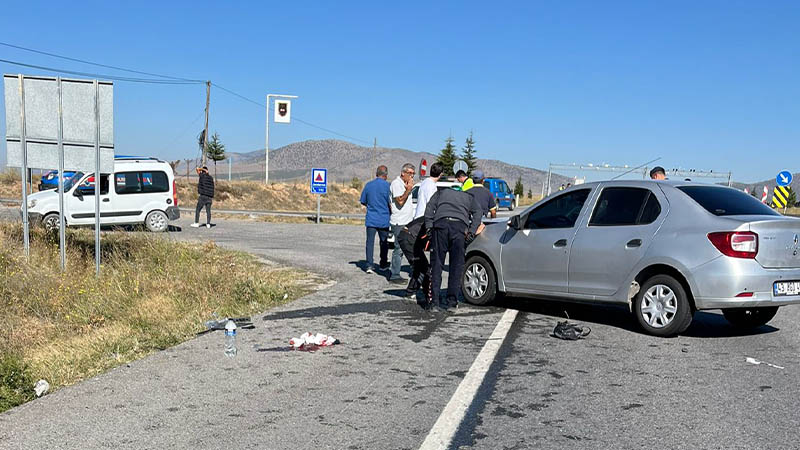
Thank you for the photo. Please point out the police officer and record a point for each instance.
(450, 216)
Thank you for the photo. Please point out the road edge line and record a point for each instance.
(446, 426)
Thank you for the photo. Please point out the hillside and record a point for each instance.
(770, 184)
(345, 161)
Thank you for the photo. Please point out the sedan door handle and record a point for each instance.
(106, 200)
(633, 243)
(560, 243)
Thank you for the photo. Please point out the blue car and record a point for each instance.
(50, 179)
(502, 193)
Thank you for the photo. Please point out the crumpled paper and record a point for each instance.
(309, 341)
(41, 387)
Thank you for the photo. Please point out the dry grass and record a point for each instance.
(151, 295)
(275, 197)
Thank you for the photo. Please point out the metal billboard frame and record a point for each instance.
(79, 137)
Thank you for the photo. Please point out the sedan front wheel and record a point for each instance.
(478, 281)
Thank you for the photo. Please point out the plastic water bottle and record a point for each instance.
(230, 339)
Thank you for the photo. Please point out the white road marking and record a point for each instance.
(445, 428)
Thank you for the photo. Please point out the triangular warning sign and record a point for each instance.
(319, 178)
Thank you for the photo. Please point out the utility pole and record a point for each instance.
(374, 153)
(205, 133)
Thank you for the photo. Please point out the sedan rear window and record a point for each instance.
(722, 201)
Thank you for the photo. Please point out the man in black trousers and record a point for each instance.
(413, 240)
(205, 187)
(450, 217)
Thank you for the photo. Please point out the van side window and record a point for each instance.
(140, 182)
(87, 187)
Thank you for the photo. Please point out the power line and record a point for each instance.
(295, 117)
(97, 64)
(95, 75)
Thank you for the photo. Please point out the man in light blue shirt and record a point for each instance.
(377, 197)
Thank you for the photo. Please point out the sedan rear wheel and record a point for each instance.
(662, 307)
(478, 281)
(749, 317)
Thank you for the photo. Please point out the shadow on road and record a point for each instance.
(704, 324)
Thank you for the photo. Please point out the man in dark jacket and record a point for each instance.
(205, 187)
(451, 215)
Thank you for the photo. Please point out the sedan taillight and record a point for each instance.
(736, 244)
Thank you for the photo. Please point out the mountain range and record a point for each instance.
(345, 161)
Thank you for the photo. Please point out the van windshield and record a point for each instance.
(71, 181)
(722, 201)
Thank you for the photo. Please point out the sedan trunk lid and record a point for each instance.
(778, 242)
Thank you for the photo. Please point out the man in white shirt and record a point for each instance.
(402, 214)
(427, 188)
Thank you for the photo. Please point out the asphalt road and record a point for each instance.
(398, 366)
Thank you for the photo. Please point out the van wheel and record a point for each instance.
(513, 205)
(478, 282)
(747, 318)
(50, 222)
(156, 221)
(662, 307)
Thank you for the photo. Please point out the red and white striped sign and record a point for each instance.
(764, 195)
(423, 168)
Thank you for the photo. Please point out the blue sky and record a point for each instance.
(704, 85)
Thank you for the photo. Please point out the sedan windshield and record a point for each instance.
(722, 201)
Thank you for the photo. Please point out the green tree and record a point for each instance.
(792, 200)
(448, 156)
(530, 194)
(355, 183)
(468, 154)
(215, 150)
(518, 188)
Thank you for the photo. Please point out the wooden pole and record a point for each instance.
(205, 134)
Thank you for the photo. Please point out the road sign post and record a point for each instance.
(460, 165)
(266, 132)
(319, 185)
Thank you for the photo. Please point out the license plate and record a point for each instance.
(781, 288)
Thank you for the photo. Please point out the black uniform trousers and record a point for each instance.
(448, 238)
(414, 250)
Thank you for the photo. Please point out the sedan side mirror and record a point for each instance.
(514, 223)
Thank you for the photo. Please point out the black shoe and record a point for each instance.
(384, 265)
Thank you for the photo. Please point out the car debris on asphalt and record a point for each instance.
(310, 342)
(757, 362)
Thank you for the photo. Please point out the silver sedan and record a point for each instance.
(666, 249)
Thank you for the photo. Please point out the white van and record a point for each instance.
(141, 190)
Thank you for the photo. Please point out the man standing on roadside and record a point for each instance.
(402, 214)
(482, 195)
(376, 197)
(451, 215)
(205, 187)
(427, 188)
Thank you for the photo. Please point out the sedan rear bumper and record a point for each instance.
(739, 283)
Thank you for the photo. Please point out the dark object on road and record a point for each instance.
(241, 323)
(570, 331)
